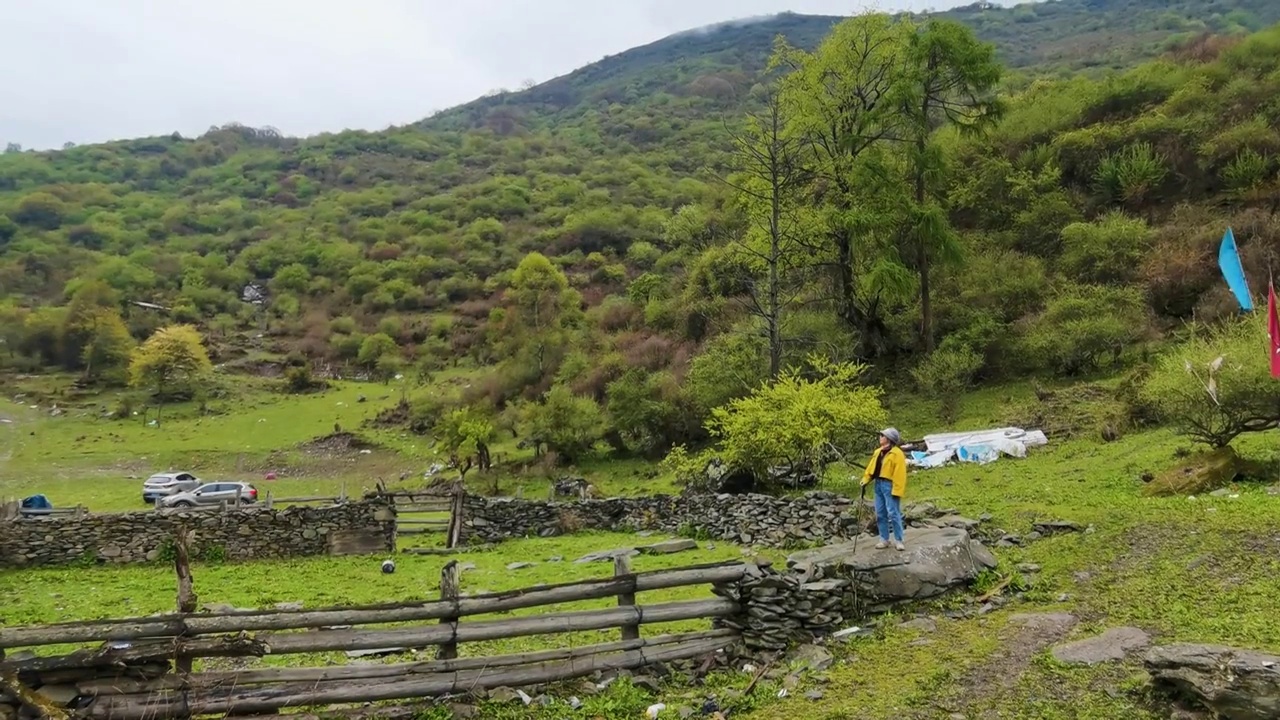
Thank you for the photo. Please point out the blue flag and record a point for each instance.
(1233, 271)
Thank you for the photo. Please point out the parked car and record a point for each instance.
(212, 494)
(162, 485)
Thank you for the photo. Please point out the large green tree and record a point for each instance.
(170, 362)
(948, 79)
(846, 100)
(771, 174)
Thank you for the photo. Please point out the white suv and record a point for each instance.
(163, 485)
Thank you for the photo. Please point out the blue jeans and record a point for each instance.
(888, 511)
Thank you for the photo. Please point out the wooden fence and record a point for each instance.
(127, 675)
(12, 510)
(423, 513)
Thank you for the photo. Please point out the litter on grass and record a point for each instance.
(981, 447)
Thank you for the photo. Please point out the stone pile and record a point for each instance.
(144, 536)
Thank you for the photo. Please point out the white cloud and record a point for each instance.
(93, 70)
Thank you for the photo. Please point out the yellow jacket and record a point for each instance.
(894, 469)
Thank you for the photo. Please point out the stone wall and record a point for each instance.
(237, 535)
(749, 519)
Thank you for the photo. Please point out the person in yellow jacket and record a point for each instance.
(888, 470)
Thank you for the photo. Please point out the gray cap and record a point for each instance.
(892, 435)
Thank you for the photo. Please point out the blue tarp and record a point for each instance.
(36, 502)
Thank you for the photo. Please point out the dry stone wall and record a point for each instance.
(237, 535)
(749, 519)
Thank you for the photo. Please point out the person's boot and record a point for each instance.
(882, 545)
(899, 546)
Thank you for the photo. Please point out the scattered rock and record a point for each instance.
(1112, 645)
(1052, 527)
(1234, 683)
(290, 606)
(920, 625)
(555, 558)
(1045, 623)
(648, 684)
(668, 547)
(1028, 568)
(814, 695)
(520, 565)
(604, 555)
(812, 658)
(461, 711)
(503, 695)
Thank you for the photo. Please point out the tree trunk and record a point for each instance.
(775, 256)
(922, 256)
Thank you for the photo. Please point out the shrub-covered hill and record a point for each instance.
(601, 256)
(1042, 38)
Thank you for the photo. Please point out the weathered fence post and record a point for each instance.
(622, 568)
(454, 537)
(449, 590)
(268, 501)
(186, 593)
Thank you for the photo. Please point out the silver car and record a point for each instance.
(212, 494)
(163, 485)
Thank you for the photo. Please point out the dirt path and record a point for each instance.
(1022, 638)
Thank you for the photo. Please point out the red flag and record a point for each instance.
(1273, 330)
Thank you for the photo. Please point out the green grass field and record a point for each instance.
(1198, 570)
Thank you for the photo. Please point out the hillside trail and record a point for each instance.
(1024, 636)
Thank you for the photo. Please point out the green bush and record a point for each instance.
(1106, 251)
(1083, 329)
(946, 375)
(1217, 386)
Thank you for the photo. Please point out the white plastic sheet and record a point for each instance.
(981, 447)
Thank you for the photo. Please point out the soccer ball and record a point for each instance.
(388, 566)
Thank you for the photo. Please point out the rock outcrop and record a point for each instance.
(1234, 683)
(935, 561)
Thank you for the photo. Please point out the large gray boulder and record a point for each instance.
(935, 561)
(1236, 684)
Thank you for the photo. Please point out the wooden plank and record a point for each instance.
(43, 706)
(420, 531)
(128, 686)
(255, 620)
(417, 636)
(456, 510)
(358, 542)
(264, 699)
(622, 568)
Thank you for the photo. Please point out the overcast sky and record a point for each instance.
(94, 70)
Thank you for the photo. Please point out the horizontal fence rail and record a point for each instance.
(128, 675)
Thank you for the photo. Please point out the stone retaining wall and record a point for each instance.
(823, 591)
(237, 535)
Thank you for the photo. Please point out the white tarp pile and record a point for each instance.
(980, 447)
